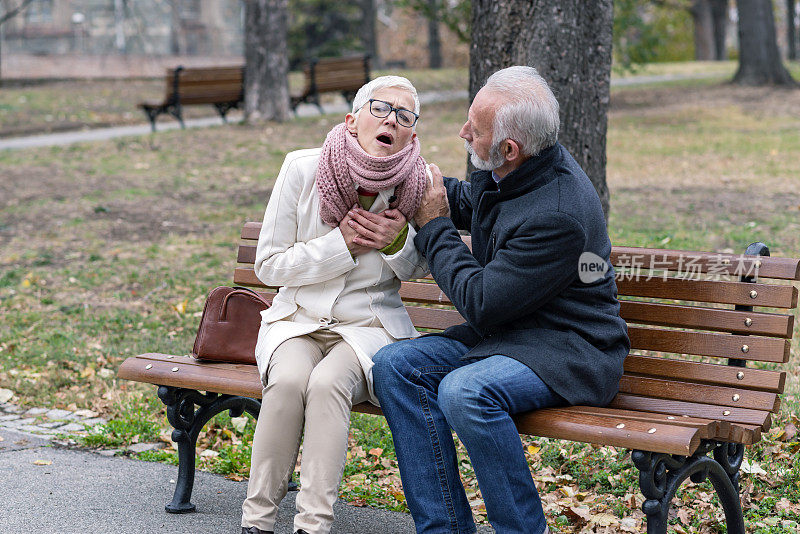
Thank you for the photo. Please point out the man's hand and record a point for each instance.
(434, 200)
(349, 234)
(376, 230)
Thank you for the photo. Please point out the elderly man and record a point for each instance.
(536, 334)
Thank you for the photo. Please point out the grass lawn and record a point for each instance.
(108, 249)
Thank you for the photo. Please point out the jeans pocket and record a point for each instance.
(420, 375)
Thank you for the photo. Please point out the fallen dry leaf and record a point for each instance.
(5, 395)
(628, 524)
(42, 462)
(789, 432)
(604, 520)
(239, 423)
(581, 513)
(377, 451)
(180, 307)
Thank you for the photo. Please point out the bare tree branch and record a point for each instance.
(16, 11)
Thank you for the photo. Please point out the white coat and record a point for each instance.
(321, 285)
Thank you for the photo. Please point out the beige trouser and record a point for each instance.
(312, 382)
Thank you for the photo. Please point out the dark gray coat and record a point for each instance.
(519, 288)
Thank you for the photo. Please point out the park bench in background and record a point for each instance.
(343, 75)
(680, 416)
(223, 87)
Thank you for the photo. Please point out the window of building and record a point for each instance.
(40, 11)
(189, 9)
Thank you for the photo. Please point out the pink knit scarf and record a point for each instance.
(344, 166)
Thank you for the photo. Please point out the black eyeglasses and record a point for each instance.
(381, 109)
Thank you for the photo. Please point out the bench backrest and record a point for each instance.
(336, 74)
(206, 85)
(694, 319)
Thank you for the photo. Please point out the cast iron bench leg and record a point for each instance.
(152, 114)
(223, 109)
(188, 423)
(660, 476)
(177, 111)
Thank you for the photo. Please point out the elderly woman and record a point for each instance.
(336, 241)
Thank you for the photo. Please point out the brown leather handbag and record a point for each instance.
(229, 325)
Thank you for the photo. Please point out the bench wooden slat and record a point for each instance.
(693, 392)
(246, 277)
(688, 261)
(246, 254)
(230, 379)
(250, 230)
(708, 428)
(706, 373)
(745, 434)
(720, 292)
(218, 91)
(562, 424)
(700, 318)
(754, 348)
(763, 419)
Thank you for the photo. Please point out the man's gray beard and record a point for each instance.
(495, 160)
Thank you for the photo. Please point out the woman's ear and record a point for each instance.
(350, 123)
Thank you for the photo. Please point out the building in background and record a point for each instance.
(190, 28)
(131, 27)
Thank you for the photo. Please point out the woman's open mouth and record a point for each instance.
(385, 139)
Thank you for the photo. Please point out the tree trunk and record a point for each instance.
(703, 30)
(759, 58)
(434, 41)
(368, 36)
(266, 89)
(719, 15)
(791, 30)
(6, 15)
(569, 43)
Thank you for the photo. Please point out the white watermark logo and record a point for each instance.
(591, 267)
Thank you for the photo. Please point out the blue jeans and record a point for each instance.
(425, 389)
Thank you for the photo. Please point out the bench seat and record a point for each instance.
(343, 75)
(222, 87)
(653, 431)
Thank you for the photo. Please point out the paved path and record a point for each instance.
(76, 492)
(48, 488)
(82, 136)
(100, 134)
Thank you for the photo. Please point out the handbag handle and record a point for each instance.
(246, 291)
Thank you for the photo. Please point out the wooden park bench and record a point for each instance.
(344, 75)
(687, 403)
(223, 87)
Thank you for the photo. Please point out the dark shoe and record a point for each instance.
(255, 530)
(301, 532)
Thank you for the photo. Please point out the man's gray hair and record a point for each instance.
(528, 110)
(382, 82)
